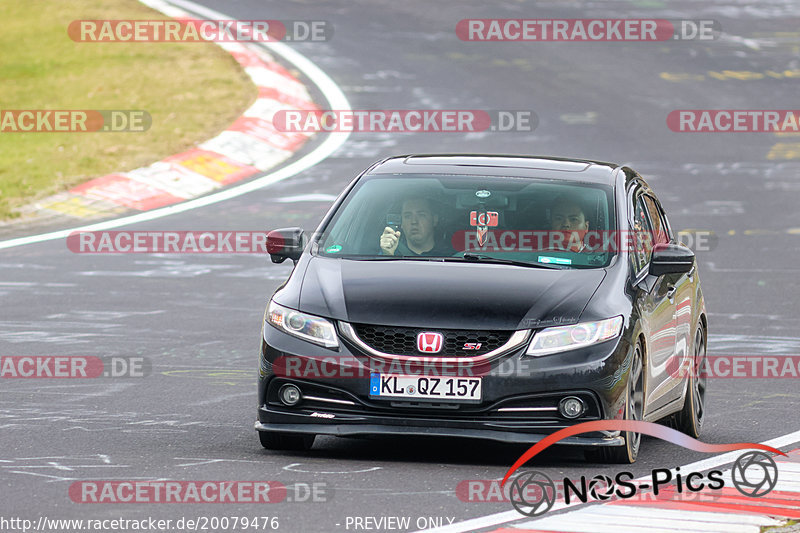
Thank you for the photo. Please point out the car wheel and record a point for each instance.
(634, 410)
(690, 418)
(285, 441)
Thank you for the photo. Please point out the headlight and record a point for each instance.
(307, 327)
(563, 338)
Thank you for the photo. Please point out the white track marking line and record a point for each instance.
(587, 518)
(635, 511)
(512, 516)
(332, 93)
(590, 524)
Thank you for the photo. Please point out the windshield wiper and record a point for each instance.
(467, 257)
(489, 259)
(394, 258)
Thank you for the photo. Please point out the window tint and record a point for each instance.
(660, 234)
(642, 239)
(521, 219)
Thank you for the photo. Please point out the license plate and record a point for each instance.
(425, 387)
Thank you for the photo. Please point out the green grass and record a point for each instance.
(769, 529)
(192, 91)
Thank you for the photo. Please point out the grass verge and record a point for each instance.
(192, 91)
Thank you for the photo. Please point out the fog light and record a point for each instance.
(290, 394)
(571, 407)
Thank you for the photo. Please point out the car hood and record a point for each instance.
(445, 294)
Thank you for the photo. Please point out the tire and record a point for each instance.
(634, 410)
(286, 441)
(689, 419)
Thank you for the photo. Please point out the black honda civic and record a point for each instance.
(485, 296)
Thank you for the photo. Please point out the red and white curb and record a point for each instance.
(727, 511)
(251, 145)
(332, 142)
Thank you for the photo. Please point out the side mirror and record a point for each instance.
(671, 259)
(285, 243)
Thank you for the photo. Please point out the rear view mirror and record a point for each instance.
(285, 243)
(671, 259)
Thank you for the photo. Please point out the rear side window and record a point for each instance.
(642, 237)
(660, 233)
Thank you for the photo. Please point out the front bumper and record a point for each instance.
(518, 405)
(349, 430)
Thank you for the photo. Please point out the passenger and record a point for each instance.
(568, 224)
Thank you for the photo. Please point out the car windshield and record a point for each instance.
(517, 221)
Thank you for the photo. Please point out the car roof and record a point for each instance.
(559, 168)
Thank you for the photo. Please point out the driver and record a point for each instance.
(416, 236)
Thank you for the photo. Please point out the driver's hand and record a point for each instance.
(389, 240)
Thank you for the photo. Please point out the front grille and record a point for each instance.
(403, 341)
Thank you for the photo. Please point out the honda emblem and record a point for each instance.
(430, 342)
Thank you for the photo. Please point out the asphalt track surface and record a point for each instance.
(196, 318)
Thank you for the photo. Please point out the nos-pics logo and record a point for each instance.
(533, 493)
